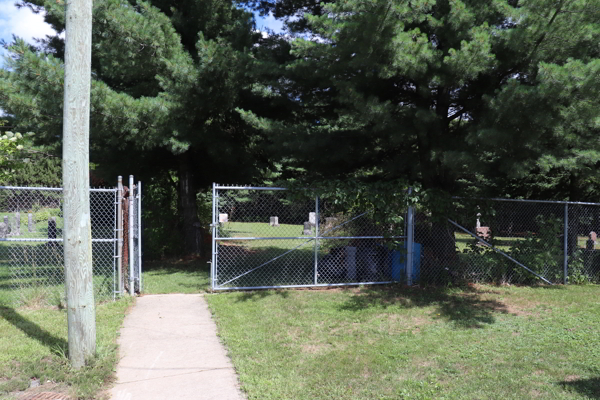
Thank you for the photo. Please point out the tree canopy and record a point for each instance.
(453, 95)
(462, 97)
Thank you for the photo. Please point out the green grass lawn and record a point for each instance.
(190, 275)
(481, 342)
(33, 345)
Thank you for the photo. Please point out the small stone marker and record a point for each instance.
(6, 221)
(307, 228)
(312, 218)
(30, 223)
(17, 230)
(223, 218)
(52, 228)
(478, 224)
(3, 230)
(274, 221)
(593, 236)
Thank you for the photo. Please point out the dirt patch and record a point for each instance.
(534, 393)
(572, 378)
(47, 391)
(315, 348)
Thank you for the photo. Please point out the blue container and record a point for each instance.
(397, 261)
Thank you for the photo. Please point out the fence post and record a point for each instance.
(139, 215)
(316, 237)
(409, 244)
(213, 252)
(565, 246)
(120, 233)
(131, 254)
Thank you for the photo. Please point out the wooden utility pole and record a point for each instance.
(81, 310)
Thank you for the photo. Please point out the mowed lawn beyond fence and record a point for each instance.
(394, 342)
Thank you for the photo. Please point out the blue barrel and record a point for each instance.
(397, 262)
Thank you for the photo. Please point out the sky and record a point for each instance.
(21, 22)
(27, 25)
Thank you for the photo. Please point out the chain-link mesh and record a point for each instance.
(31, 248)
(269, 238)
(523, 242)
(273, 238)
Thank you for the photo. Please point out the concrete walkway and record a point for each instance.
(169, 350)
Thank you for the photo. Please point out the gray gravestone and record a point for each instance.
(591, 242)
(307, 229)
(274, 221)
(312, 218)
(3, 230)
(52, 228)
(6, 222)
(351, 263)
(17, 230)
(30, 223)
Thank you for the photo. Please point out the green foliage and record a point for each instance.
(480, 97)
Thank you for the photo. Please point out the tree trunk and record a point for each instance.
(188, 209)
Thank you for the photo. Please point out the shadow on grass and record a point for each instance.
(169, 267)
(34, 331)
(466, 308)
(261, 294)
(587, 387)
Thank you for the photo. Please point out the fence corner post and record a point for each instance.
(213, 252)
(566, 246)
(410, 242)
(316, 238)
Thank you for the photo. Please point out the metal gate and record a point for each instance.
(31, 240)
(269, 237)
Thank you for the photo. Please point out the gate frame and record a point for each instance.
(408, 237)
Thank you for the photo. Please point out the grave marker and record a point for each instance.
(274, 221)
(307, 228)
(52, 228)
(30, 223)
(17, 230)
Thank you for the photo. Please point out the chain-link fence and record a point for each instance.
(270, 237)
(510, 241)
(31, 243)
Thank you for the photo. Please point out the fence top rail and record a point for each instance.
(580, 203)
(54, 189)
(217, 186)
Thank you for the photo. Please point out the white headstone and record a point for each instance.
(274, 221)
(312, 218)
(223, 218)
(478, 224)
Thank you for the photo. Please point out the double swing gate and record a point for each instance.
(265, 237)
(31, 241)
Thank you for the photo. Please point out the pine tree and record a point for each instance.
(166, 81)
